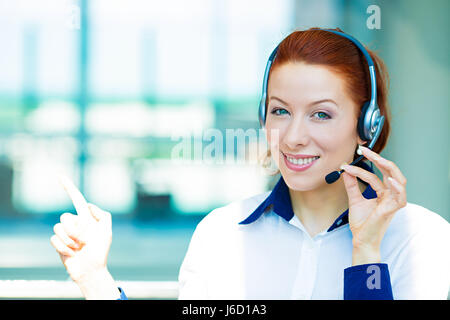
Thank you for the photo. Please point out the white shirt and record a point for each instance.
(274, 257)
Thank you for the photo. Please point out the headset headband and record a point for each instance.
(368, 123)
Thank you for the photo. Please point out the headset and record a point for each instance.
(370, 121)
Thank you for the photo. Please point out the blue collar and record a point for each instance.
(282, 206)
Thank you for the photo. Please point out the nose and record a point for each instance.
(296, 135)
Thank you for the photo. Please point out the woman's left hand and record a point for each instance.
(369, 218)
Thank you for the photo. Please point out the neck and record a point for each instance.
(317, 209)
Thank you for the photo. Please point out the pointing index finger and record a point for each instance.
(77, 198)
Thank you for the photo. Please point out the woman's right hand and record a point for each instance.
(83, 243)
(83, 246)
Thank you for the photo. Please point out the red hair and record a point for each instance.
(316, 46)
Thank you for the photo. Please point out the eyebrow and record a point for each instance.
(310, 104)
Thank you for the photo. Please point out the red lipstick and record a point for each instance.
(298, 166)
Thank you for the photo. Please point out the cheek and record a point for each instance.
(273, 134)
(274, 145)
(339, 136)
(340, 139)
(324, 138)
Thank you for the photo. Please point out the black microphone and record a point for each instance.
(335, 175)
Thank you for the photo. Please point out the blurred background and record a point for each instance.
(104, 89)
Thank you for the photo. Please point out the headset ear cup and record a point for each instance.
(262, 112)
(361, 121)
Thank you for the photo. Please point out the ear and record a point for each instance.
(361, 142)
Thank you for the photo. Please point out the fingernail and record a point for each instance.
(393, 181)
(344, 166)
(74, 245)
(359, 151)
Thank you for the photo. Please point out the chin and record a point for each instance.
(301, 182)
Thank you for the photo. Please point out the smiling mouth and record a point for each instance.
(301, 161)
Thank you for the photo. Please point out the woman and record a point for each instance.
(355, 238)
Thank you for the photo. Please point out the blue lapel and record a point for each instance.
(282, 206)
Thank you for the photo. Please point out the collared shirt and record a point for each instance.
(281, 201)
(257, 248)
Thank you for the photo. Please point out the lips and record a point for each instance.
(299, 162)
(300, 156)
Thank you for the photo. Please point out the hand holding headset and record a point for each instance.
(370, 122)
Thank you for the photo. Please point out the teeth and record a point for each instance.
(302, 161)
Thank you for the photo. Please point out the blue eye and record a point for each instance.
(279, 112)
(322, 116)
